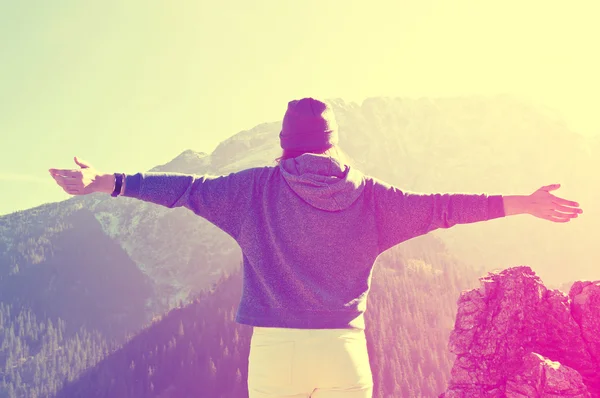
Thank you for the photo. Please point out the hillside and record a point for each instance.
(59, 263)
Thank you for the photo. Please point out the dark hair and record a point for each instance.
(333, 151)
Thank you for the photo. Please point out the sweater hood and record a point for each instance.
(322, 181)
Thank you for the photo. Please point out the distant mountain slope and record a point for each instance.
(488, 144)
(58, 262)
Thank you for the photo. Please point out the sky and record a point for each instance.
(127, 85)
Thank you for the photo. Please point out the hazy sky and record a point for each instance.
(130, 84)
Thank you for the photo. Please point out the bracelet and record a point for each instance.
(118, 184)
(123, 186)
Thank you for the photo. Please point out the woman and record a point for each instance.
(310, 230)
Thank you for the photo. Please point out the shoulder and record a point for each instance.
(252, 172)
(257, 176)
(376, 184)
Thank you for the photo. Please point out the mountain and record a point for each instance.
(513, 337)
(197, 350)
(472, 144)
(494, 145)
(57, 261)
(109, 265)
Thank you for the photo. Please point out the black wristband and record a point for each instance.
(118, 183)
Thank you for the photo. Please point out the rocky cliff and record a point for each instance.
(513, 337)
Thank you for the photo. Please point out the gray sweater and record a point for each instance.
(310, 230)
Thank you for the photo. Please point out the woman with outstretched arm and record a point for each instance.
(310, 229)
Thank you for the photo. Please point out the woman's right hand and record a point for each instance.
(543, 204)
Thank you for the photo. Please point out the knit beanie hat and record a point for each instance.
(308, 124)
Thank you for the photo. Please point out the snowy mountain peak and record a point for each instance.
(188, 161)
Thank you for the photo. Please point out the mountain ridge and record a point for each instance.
(149, 258)
(428, 145)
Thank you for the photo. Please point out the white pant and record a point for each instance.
(309, 363)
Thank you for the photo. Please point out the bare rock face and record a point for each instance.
(515, 338)
(541, 377)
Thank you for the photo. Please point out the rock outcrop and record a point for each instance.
(513, 337)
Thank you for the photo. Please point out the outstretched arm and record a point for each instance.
(403, 215)
(222, 200)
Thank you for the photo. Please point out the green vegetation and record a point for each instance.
(36, 356)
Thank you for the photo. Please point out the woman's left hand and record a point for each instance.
(543, 204)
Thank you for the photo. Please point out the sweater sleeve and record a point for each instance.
(403, 215)
(222, 200)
